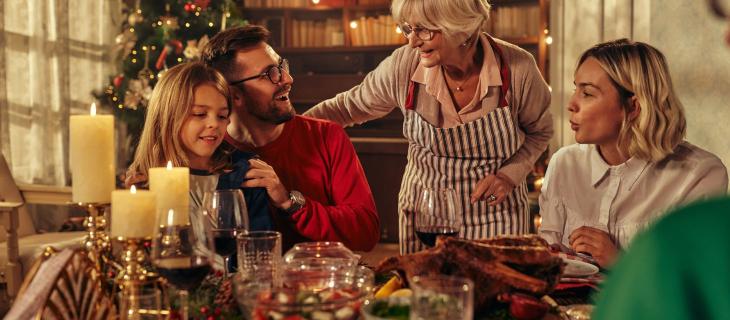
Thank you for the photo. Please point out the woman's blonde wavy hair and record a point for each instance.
(458, 20)
(170, 105)
(640, 70)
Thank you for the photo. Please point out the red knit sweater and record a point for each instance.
(316, 158)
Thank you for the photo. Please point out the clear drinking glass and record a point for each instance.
(144, 306)
(181, 251)
(228, 216)
(442, 297)
(259, 266)
(438, 212)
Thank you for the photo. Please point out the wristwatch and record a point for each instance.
(297, 201)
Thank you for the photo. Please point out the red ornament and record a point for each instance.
(161, 59)
(204, 310)
(189, 7)
(177, 45)
(217, 311)
(203, 4)
(210, 318)
(118, 80)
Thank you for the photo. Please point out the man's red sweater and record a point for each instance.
(316, 158)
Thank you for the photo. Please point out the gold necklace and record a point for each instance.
(460, 86)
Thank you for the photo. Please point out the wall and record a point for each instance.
(693, 42)
(687, 33)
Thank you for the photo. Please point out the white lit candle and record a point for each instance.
(133, 213)
(91, 156)
(172, 186)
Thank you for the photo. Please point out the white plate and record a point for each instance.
(576, 268)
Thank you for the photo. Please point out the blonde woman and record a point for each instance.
(630, 164)
(476, 114)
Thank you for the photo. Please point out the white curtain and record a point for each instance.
(53, 53)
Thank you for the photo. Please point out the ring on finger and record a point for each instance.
(492, 197)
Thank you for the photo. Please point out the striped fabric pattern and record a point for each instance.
(458, 158)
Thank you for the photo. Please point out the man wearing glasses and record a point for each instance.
(309, 167)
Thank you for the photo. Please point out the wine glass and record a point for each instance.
(438, 212)
(182, 251)
(228, 216)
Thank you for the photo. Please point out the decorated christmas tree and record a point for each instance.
(154, 36)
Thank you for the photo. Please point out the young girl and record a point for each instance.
(185, 123)
(630, 164)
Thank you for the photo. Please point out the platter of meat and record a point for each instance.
(499, 266)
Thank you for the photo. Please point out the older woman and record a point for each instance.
(476, 114)
(630, 164)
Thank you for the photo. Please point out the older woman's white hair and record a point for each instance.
(458, 20)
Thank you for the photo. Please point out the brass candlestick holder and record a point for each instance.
(96, 242)
(134, 280)
(133, 260)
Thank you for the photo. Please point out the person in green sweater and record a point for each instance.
(679, 268)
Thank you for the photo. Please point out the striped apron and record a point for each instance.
(458, 158)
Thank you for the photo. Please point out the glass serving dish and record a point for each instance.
(320, 265)
(320, 256)
(291, 303)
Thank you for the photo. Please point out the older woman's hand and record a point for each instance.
(493, 188)
(595, 242)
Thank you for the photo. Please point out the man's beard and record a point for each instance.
(272, 113)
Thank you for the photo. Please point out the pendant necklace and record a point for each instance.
(460, 86)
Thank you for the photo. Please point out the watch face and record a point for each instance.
(297, 201)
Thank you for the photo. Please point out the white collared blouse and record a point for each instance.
(581, 189)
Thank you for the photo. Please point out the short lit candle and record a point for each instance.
(133, 213)
(91, 157)
(172, 186)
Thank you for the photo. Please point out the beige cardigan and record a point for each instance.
(386, 88)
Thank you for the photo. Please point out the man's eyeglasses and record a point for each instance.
(421, 33)
(721, 8)
(275, 73)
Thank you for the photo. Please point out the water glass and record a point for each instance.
(259, 266)
(144, 306)
(442, 297)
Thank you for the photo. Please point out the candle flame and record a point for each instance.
(170, 217)
(133, 189)
(169, 164)
(92, 110)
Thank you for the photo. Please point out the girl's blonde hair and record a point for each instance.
(458, 20)
(640, 70)
(170, 105)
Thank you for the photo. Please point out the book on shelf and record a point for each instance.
(375, 31)
(291, 3)
(373, 2)
(518, 21)
(316, 33)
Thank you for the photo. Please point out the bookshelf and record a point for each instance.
(348, 38)
(332, 44)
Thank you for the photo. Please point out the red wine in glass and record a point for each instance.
(428, 235)
(225, 241)
(185, 273)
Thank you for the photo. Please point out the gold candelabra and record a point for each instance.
(96, 242)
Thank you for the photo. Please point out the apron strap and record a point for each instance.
(504, 73)
(411, 97)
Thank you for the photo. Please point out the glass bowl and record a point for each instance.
(290, 303)
(326, 256)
